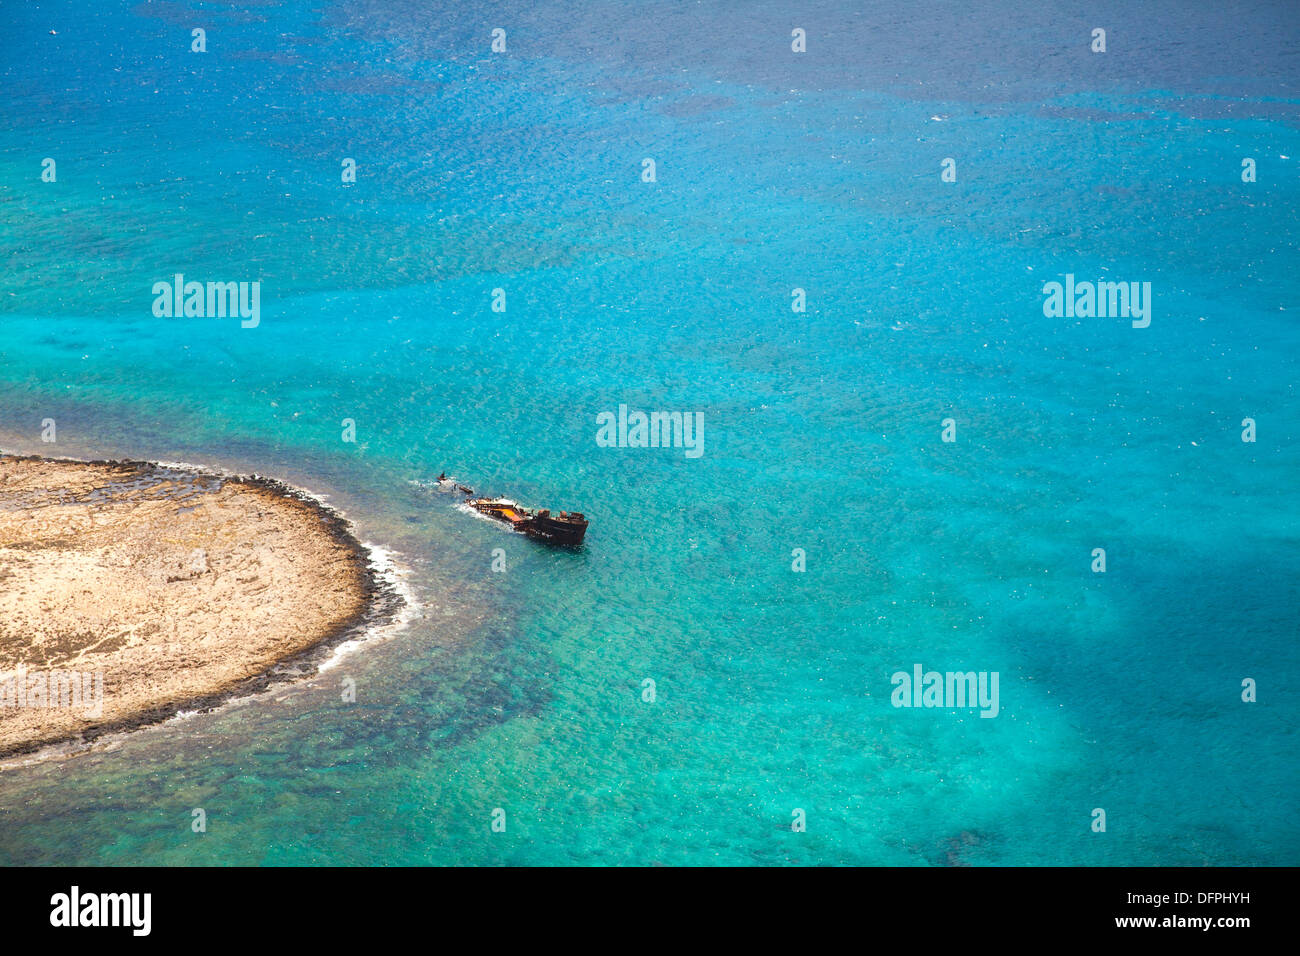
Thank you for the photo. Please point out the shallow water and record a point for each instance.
(523, 690)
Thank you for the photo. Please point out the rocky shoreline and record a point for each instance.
(221, 586)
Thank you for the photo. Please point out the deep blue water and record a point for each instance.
(821, 171)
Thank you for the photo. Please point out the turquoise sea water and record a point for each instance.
(821, 171)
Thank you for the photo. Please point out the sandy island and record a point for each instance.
(173, 589)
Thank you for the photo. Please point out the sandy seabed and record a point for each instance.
(174, 588)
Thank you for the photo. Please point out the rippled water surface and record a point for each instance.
(522, 171)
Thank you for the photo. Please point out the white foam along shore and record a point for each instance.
(383, 562)
(390, 607)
